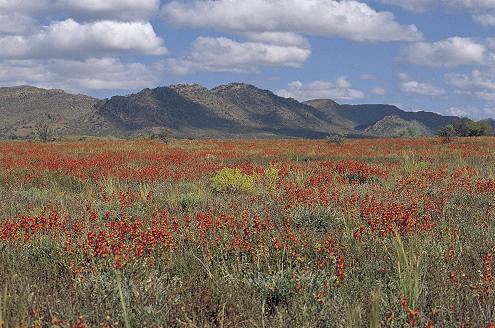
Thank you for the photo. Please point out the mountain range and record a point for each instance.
(190, 110)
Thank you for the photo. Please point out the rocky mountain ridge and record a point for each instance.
(191, 110)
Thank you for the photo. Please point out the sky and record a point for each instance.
(433, 55)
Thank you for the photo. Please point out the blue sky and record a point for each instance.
(435, 55)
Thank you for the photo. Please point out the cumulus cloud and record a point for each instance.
(76, 44)
(340, 89)
(346, 19)
(85, 75)
(485, 19)
(457, 111)
(475, 112)
(85, 9)
(16, 24)
(473, 81)
(480, 85)
(483, 95)
(453, 4)
(449, 52)
(72, 39)
(278, 38)
(226, 55)
(478, 8)
(419, 88)
(378, 91)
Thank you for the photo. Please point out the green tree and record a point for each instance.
(466, 128)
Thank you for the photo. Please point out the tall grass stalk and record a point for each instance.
(122, 300)
(409, 269)
(376, 298)
(3, 309)
(353, 315)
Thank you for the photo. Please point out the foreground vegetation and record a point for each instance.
(380, 233)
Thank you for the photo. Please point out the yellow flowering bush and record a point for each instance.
(233, 180)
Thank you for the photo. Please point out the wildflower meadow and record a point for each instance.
(248, 233)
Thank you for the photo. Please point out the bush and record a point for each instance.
(160, 136)
(233, 180)
(44, 132)
(336, 139)
(447, 133)
(189, 200)
(466, 128)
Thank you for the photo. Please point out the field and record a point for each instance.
(246, 233)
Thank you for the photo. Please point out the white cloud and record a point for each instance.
(419, 88)
(475, 80)
(474, 112)
(79, 47)
(480, 85)
(483, 11)
(340, 89)
(278, 38)
(456, 111)
(367, 77)
(485, 19)
(449, 52)
(226, 55)
(484, 95)
(378, 91)
(490, 43)
(453, 4)
(84, 9)
(79, 76)
(71, 39)
(346, 19)
(16, 24)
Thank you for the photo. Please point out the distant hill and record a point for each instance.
(164, 108)
(229, 110)
(394, 126)
(190, 110)
(23, 108)
(361, 117)
(278, 115)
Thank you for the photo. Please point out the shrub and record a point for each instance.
(466, 128)
(276, 290)
(336, 139)
(411, 165)
(316, 219)
(447, 133)
(355, 171)
(189, 200)
(44, 132)
(233, 180)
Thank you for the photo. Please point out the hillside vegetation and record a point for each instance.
(234, 110)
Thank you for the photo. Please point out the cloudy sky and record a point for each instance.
(436, 55)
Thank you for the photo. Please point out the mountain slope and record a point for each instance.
(190, 110)
(230, 110)
(361, 117)
(165, 108)
(23, 108)
(277, 114)
(394, 126)
(211, 102)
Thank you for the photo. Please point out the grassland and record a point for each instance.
(280, 233)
